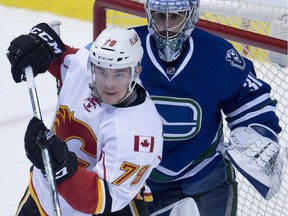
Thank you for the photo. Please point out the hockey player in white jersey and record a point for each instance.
(104, 118)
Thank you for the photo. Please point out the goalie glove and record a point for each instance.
(257, 157)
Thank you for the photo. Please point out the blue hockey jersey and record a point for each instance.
(209, 77)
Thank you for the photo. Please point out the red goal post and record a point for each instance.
(249, 31)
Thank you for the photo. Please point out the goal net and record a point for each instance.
(259, 32)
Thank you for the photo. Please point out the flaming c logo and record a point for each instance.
(67, 127)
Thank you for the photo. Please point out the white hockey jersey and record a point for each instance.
(117, 147)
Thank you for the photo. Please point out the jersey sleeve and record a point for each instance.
(55, 67)
(251, 103)
(241, 95)
(86, 192)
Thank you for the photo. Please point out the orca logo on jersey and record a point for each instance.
(188, 121)
(235, 59)
(46, 37)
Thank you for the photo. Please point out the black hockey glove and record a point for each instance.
(64, 162)
(39, 49)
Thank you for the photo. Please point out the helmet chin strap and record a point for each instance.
(127, 100)
(94, 91)
(130, 92)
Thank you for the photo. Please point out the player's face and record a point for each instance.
(112, 84)
(168, 24)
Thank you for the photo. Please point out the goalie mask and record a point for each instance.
(119, 50)
(171, 22)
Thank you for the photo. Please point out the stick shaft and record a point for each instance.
(44, 151)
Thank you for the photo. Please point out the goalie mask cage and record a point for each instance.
(258, 32)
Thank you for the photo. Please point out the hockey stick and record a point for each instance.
(44, 151)
(37, 113)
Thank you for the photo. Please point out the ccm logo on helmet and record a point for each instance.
(104, 58)
(46, 37)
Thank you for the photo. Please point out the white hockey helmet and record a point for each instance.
(116, 48)
(171, 22)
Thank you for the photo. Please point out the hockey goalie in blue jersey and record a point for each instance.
(192, 77)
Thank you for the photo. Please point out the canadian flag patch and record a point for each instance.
(143, 144)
